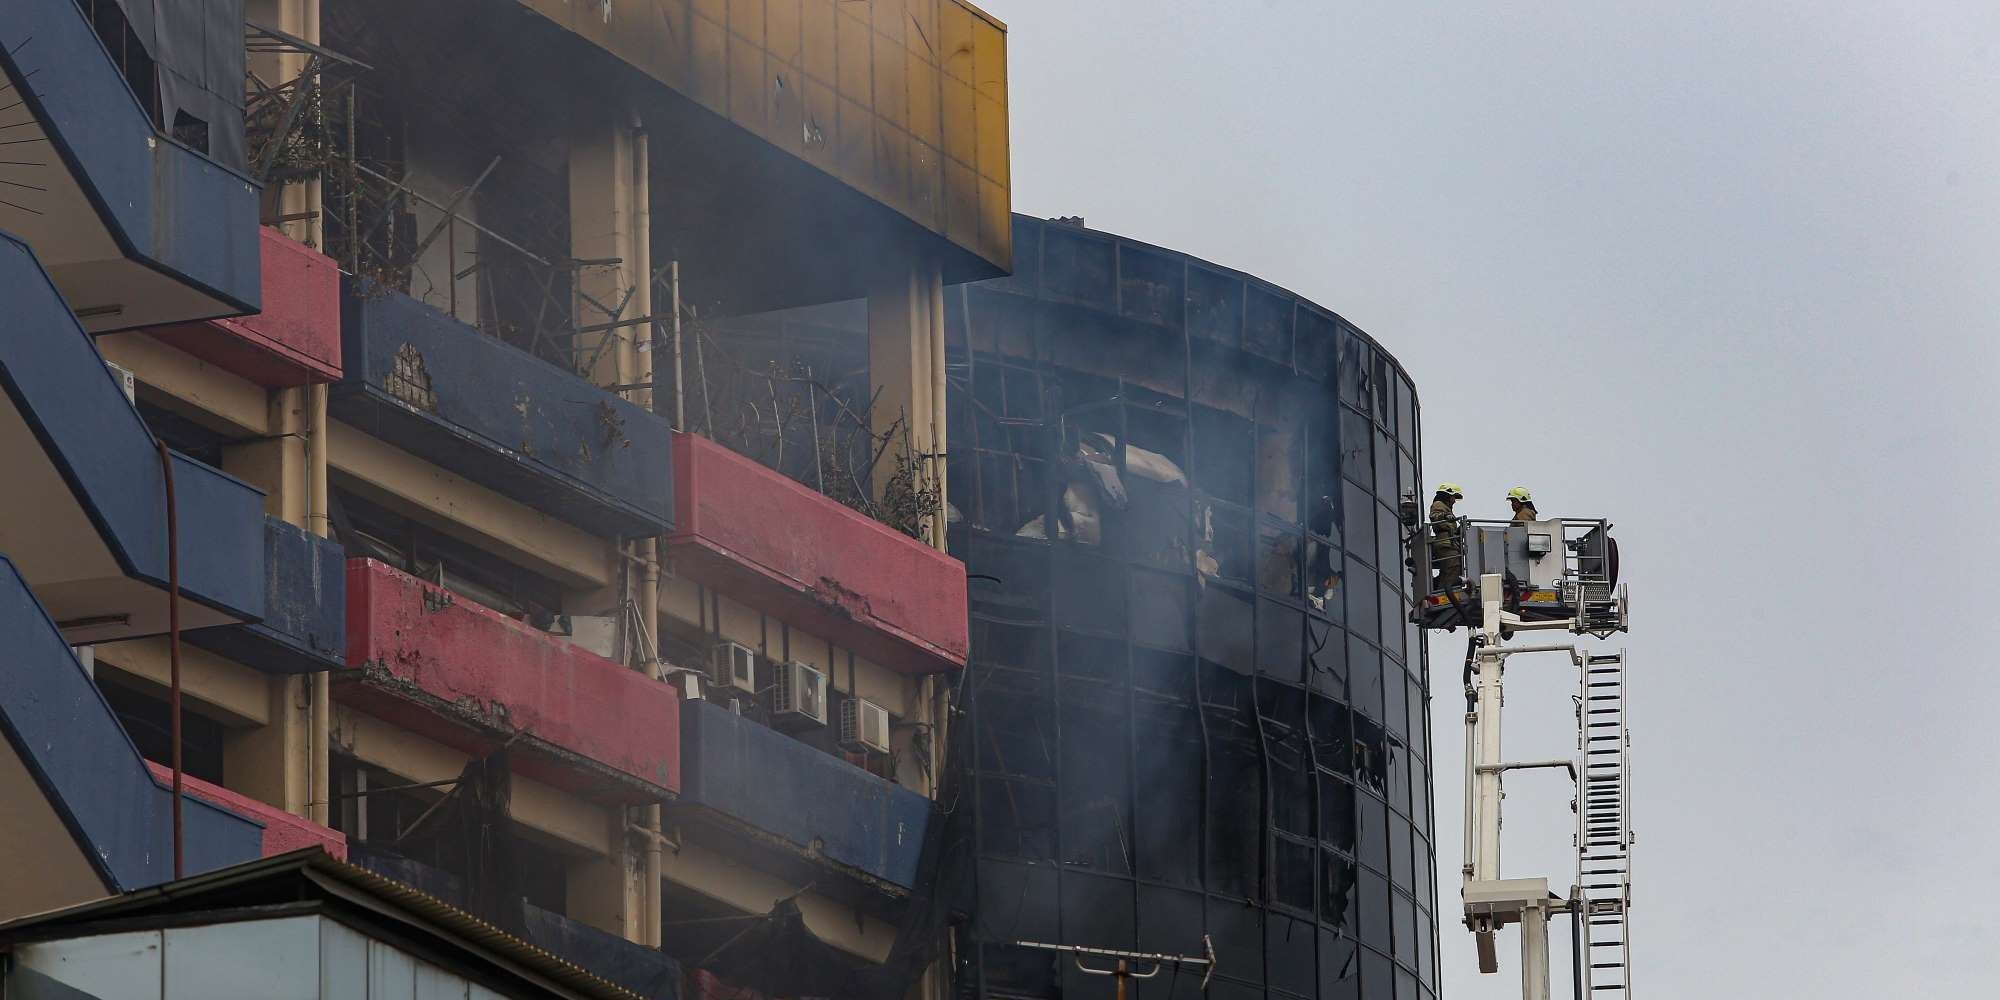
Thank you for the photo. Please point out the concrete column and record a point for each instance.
(905, 365)
(602, 227)
(605, 891)
(274, 763)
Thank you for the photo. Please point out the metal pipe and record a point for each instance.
(173, 643)
(649, 549)
(1486, 856)
(320, 766)
(1535, 952)
(1567, 765)
(1500, 652)
(680, 388)
(1471, 769)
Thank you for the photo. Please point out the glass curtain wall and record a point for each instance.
(1196, 705)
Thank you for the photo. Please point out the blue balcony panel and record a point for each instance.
(466, 402)
(137, 229)
(86, 817)
(84, 513)
(772, 783)
(305, 607)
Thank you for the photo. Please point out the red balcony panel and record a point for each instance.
(295, 340)
(283, 832)
(472, 678)
(806, 559)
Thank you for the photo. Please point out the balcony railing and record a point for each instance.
(138, 227)
(469, 677)
(305, 607)
(295, 340)
(84, 511)
(804, 558)
(818, 805)
(502, 418)
(81, 780)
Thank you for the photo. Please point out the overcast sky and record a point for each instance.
(1722, 272)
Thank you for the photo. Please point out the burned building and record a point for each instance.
(352, 504)
(1196, 713)
(533, 450)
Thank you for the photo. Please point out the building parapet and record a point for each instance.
(138, 227)
(305, 607)
(295, 340)
(471, 678)
(473, 405)
(802, 557)
(808, 801)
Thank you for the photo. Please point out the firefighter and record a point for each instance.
(1447, 537)
(1524, 504)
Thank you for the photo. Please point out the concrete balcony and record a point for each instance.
(84, 514)
(468, 403)
(84, 816)
(802, 557)
(137, 228)
(471, 678)
(295, 340)
(305, 608)
(791, 799)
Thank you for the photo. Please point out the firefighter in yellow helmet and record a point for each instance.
(1447, 537)
(1524, 504)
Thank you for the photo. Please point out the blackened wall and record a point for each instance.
(1195, 706)
(1204, 713)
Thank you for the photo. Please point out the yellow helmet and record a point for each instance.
(1452, 490)
(1520, 493)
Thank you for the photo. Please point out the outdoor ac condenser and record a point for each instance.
(864, 726)
(799, 697)
(734, 667)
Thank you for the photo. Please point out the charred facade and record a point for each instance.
(1196, 711)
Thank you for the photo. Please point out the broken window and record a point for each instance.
(1336, 812)
(1339, 904)
(1225, 628)
(1278, 566)
(1291, 946)
(1013, 725)
(1167, 776)
(1280, 638)
(1017, 819)
(1161, 609)
(1332, 734)
(1235, 805)
(1096, 791)
(1326, 658)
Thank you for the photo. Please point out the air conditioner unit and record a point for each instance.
(125, 380)
(799, 697)
(864, 726)
(735, 667)
(687, 682)
(596, 633)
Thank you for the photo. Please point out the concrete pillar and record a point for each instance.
(905, 368)
(602, 227)
(605, 891)
(273, 763)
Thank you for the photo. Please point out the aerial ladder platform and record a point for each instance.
(1498, 580)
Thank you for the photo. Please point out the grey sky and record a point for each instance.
(1722, 272)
